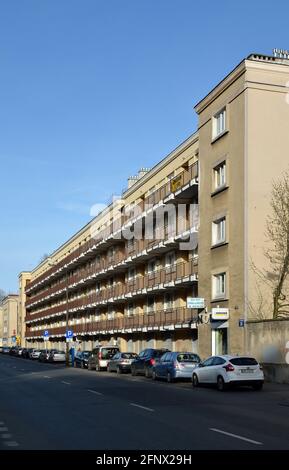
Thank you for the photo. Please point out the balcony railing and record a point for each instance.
(160, 318)
(178, 271)
(176, 183)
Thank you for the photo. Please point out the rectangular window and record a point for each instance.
(220, 176)
(110, 313)
(151, 266)
(168, 301)
(130, 309)
(219, 285)
(219, 231)
(131, 274)
(170, 261)
(150, 305)
(219, 123)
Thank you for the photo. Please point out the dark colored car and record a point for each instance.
(121, 362)
(146, 360)
(13, 351)
(44, 355)
(81, 359)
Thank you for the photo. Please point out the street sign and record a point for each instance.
(195, 302)
(46, 335)
(220, 313)
(69, 334)
(241, 323)
(13, 339)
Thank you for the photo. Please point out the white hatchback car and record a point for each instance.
(229, 370)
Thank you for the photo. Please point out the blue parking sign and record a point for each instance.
(69, 334)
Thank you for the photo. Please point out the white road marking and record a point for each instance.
(236, 436)
(96, 393)
(66, 383)
(142, 407)
(46, 377)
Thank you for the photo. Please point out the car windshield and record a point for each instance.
(108, 353)
(128, 355)
(86, 353)
(159, 352)
(188, 357)
(244, 361)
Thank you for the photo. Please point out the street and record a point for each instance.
(46, 406)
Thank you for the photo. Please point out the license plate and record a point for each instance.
(247, 371)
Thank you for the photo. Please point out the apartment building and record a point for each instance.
(8, 320)
(186, 230)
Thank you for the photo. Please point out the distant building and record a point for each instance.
(9, 320)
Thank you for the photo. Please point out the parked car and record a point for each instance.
(19, 352)
(56, 356)
(26, 353)
(225, 371)
(175, 365)
(145, 361)
(121, 362)
(44, 355)
(13, 351)
(35, 353)
(5, 350)
(81, 359)
(100, 356)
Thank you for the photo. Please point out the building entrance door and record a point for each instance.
(220, 341)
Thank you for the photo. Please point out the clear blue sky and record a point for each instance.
(91, 90)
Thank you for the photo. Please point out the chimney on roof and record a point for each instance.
(133, 179)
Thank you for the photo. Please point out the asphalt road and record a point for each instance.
(46, 406)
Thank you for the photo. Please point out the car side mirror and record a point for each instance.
(201, 364)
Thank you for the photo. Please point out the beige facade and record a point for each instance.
(108, 288)
(8, 320)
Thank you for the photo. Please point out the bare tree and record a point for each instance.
(277, 232)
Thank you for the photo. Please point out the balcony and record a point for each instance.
(161, 319)
(92, 246)
(179, 274)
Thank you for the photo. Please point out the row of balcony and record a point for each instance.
(185, 272)
(159, 319)
(181, 180)
(136, 250)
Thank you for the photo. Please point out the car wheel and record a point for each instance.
(257, 386)
(154, 375)
(133, 371)
(221, 386)
(118, 370)
(195, 381)
(147, 373)
(170, 379)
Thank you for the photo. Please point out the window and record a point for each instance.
(151, 266)
(168, 301)
(110, 253)
(150, 305)
(219, 231)
(219, 285)
(130, 309)
(220, 176)
(131, 274)
(219, 123)
(98, 287)
(110, 313)
(170, 260)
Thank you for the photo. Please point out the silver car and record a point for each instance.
(121, 362)
(35, 353)
(175, 365)
(57, 356)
